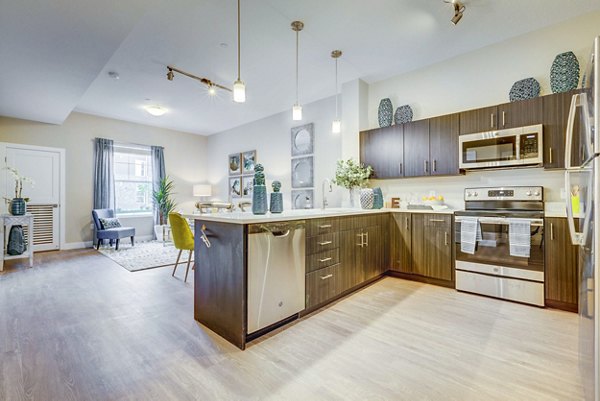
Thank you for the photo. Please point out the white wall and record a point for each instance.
(271, 137)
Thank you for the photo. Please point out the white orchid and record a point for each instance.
(19, 181)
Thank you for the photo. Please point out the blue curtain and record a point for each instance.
(104, 177)
(158, 173)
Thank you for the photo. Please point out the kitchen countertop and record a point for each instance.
(249, 218)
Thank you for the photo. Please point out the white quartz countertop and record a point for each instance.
(287, 215)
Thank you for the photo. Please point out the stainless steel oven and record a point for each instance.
(491, 267)
(503, 148)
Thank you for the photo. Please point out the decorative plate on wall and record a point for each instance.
(564, 73)
(302, 172)
(404, 114)
(385, 113)
(527, 88)
(303, 140)
(302, 199)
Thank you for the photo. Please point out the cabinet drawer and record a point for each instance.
(321, 226)
(323, 242)
(323, 259)
(320, 285)
(350, 223)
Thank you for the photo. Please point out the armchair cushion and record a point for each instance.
(116, 233)
(111, 222)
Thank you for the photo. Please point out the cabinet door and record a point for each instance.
(443, 144)
(432, 245)
(520, 114)
(400, 242)
(372, 252)
(561, 265)
(382, 149)
(351, 256)
(554, 117)
(320, 286)
(416, 148)
(419, 251)
(479, 120)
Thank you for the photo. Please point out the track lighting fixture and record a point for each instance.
(212, 87)
(297, 26)
(459, 9)
(239, 87)
(336, 125)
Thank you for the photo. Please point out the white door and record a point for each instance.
(43, 166)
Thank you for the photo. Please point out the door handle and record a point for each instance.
(551, 231)
(434, 165)
(400, 164)
(407, 223)
(325, 243)
(326, 277)
(503, 119)
(325, 260)
(578, 100)
(367, 236)
(550, 155)
(425, 167)
(446, 238)
(325, 226)
(491, 120)
(362, 241)
(437, 220)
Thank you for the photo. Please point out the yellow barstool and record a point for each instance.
(183, 238)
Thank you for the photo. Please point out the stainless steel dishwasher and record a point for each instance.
(276, 272)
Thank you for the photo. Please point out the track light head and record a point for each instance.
(170, 75)
(459, 9)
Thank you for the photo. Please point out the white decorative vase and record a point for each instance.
(366, 198)
(160, 231)
(352, 194)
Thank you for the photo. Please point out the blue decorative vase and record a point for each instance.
(564, 73)
(259, 199)
(377, 198)
(385, 113)
(18, 207)
(404, 114)
(276, 205)
(527, 88)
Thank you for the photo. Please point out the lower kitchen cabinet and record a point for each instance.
(400, 242)
(432, 246)
(561, 264)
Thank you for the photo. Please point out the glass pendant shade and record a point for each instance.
(239, 91)
(336, 126)
(297, 112)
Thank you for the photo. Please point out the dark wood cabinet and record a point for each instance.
(432, 246)
(520, 114)
(479, 120)
(382, 149)
(555, 115)
(561, 264)
(443, 144)
(416, 148)
(400, 242)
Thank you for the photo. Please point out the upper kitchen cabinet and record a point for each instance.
(507, 115)
(416, 149)
(479, 120)
(443, 144)
(555, 115)
(382, 149)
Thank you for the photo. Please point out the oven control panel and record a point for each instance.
(505, 193)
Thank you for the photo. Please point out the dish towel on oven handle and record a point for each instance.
(470, 233)
(519, 237)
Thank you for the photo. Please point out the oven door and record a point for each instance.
(494, 248)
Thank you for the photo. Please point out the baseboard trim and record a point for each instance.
(421, 279)
(89, 244)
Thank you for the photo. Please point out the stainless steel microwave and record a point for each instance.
(502, 148)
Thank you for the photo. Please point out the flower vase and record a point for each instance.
(259, 199)
(276, 205)
(352, 194)
(18, 207)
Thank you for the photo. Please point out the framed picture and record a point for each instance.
(303, 139)
(235, 187)
(235, 164)
(247, 186)
(302, 172)
(302, 198)
(248, 162)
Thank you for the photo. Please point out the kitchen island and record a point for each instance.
(328, 254)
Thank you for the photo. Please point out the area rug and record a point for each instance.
(145, 255)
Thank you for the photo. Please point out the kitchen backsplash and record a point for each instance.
(452, 188)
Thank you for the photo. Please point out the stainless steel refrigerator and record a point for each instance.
(582, 186)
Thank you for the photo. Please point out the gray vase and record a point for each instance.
(527, 88)
(403, 115)
(564, 73)
(18, 207)
(259, 199)
(385, 113)
(377, 198)
(366, 198)
(276, 205)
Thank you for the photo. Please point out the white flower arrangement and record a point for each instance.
(19, 181)
(350, 174)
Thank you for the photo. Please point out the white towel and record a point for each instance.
(470, 233)
(519, 237)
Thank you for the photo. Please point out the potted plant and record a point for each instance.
(18, 204)
(351, 175)
(165, 204)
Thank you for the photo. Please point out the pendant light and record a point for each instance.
(336, 125)
(239, 88)
(297, 26)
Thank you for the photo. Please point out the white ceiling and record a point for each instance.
(55, 55)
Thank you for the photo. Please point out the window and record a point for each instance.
(133, 179)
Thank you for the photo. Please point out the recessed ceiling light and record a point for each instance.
(156, 110)
(113, 75)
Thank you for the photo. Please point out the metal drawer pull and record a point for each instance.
(503, 119)
(437, 220)
(552, 231)
(400, 168)
(325, 226)
(325, 260)
(362, 240)
(326, 277)
(407, 223)
(425, 163)
(434, 165)
(550, 156)
(325, 243)
(492, 120)
(367, 242)
(446, 238)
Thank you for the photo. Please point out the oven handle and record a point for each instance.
(502, 221)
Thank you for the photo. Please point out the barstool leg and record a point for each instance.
(176, 263)
(188, 267)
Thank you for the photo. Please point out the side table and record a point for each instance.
(8, 220)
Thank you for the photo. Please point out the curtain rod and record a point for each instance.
(117, 143)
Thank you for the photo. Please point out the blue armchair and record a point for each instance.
(111, 234)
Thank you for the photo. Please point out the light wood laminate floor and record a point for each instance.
(79, 327)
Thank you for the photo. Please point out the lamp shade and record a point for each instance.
(202, 190)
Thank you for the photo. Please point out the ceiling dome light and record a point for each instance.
(156, 110)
